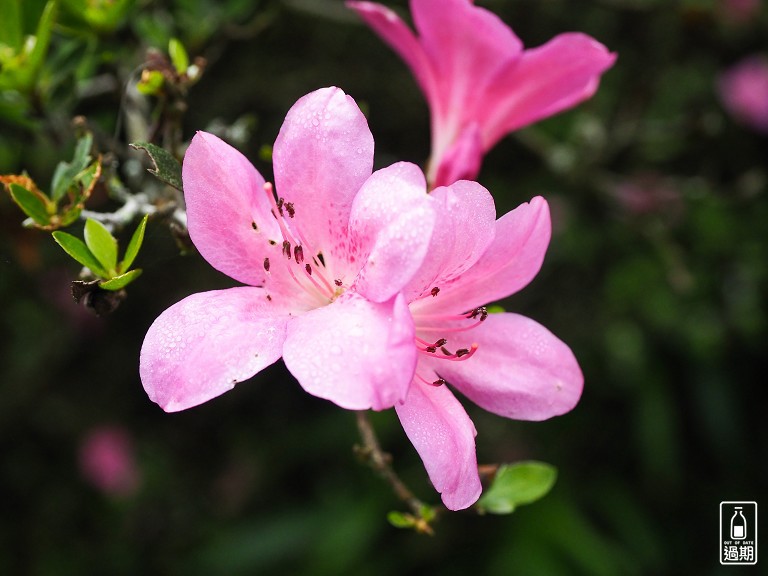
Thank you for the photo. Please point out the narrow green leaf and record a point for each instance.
(428, 513)
(401, 520)
(120, 282)
(31, 203)
(61, 180)
(133, 246)
(83, 152)
(178, 55)
(42, 40)
(102, 245)
(66, 172)
(79, 251)
(517, 484)
(10, 24)
(167, 168)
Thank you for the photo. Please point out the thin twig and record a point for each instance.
(381, 463)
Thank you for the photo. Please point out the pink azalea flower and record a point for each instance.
(744, 92)
(107, 461)
(479, 81)
(369, 288)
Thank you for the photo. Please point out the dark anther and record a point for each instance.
(438, 382)
(280, 202)
(435, 291)
(308, 268)
(461, 352)
(431, 349)
(253, 225)
(290, 209)
(445, 351)
(481, 311)
(287, 249)
(338, 282)
(298, 254)
(441, 342)
(320, 258)
(266, 264)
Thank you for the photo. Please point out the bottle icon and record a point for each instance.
(738, 525)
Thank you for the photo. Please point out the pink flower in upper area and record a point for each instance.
(369, 288)
(744, 92)
(479, 81)
(739, 11)
(107, 461)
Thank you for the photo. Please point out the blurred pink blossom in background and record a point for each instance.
(108, 462)
(740, 11)
(479, 81)
(744, 92)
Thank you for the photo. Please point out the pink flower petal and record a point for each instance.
(225, 198)
(520, 369)
(444, 436)
(465, 226)
(353, 352)
(400, 38)
(546, 80)
(462, 159)
(467, 46)
(391, 224)
(203, 345)
(509, 263)
(322, 156)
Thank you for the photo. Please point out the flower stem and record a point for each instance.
(381, 462)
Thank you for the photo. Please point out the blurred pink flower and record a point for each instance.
(479, 81)
(740, 11)
(107, 461)
(744, 91)
(369, 288)
(648, 193)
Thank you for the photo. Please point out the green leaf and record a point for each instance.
(401, 520)
(178, 55)
(133, 246)
(102, 245)
(151, 82)
(428, 513)
(32, 204)
(10, 24)
(495, 309)
(83, 151)
(517, 484)
(42, 40)
(167, 168)
(120, 282)
(80, 252)
(66, 172)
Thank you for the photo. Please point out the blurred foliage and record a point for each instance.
(656, 277)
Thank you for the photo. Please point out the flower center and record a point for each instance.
(442, 326)
(308, 272)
